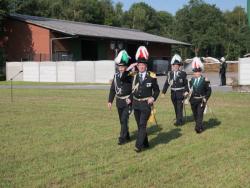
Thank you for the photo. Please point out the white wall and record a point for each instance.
(244, 71)
(13, 69)
(64, 71)
(47, 72)
(104, 71)
(85, 71)
(31, 71)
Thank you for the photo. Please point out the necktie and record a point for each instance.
(140, 78)
(174, 75)
(195, 82)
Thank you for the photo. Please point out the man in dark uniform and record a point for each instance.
(144, 94)
(121, 87)
(223, 68)
(177, 81)
(200, 92)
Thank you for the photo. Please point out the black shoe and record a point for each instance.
(121, 143)
(198, 131)
(137, 150)
(146, 146)
(128, 137)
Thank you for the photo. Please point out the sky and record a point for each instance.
(172, 6)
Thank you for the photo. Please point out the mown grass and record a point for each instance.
(68, 138)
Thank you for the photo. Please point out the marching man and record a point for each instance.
(121, 88)
(200, 92)
(145, 91)
(178, 83)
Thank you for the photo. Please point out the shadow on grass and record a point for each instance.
(211, 123)
(151, 129)
(165, 137)
(188, 119)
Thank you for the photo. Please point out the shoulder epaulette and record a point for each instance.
(132, 73)
(152, 74)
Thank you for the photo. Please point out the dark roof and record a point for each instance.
(93, 30)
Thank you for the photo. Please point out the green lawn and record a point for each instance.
(68, 138)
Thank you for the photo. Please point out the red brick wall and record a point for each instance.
(25, 40)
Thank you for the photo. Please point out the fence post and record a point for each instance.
(94, 71)
(39, 71)
(75, 70)
(56, 71)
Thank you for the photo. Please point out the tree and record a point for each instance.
(202, 25)
(237, 39)
(140, 16)
(164, 24)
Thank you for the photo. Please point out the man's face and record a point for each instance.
(122, 69)
(175, 67)
(197, 74)
(142, 67)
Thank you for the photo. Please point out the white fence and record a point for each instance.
(64, 71)
(244, 71)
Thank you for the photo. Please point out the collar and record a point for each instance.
(143, 74)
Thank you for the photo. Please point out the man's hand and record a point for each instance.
(151, 100)
(204, 100)
(186, 94)
(128, 101)
(109, 105)
(131, 66)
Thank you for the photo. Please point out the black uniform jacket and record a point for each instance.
(180, 81)
(203, 89)
(223, 68)
(120, 87)
(148, 88)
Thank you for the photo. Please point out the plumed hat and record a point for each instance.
(142, 55)
(122, 58)
(176, 60)
(222, 59)
(197, 65)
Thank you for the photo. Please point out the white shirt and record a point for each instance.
(143, 74)
(175, 74)
(197, 80)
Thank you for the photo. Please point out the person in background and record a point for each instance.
(223, 69)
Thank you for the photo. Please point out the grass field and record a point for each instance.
(68, 138)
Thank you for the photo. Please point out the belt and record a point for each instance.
(124, 97)
(177, 89)
(142, 99)
(201, 97)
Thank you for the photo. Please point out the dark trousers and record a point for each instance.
(141, 117)
(178, 107)
(198, 111)
(223, 79)
(177, 100)
(124, 116)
